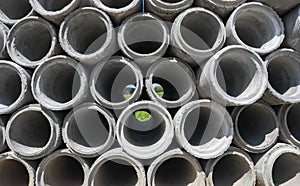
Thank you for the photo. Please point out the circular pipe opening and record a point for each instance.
(293, 119)
(116, 4)
(13, 172)
(54, 5)
(14, 9)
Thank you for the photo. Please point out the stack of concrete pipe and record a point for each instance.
(149, 92)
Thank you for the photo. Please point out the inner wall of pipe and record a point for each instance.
(13, 172)
(204, 127)
(93, 133)
(10, 86)
(54, 5)
(175, 171)
(15, 9)
(30, 131)
(232, 170)
(200, 30)
(293, 119)
(2, 39)
(255, 123)
(144, 133)
(64, 170)
(235, 75)
(83, 30)
(113, 79)
(284, 76)
(144, 35)
(117, 173)
(33, 40)
(286, 170)
(116, 4)
(60, 82)
(172, 1)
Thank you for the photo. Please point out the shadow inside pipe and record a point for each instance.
(13, 173)
(293, 120)
(14, 9)
(54, 5)
(115, 4)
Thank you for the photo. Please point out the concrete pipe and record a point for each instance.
(54, 10)
(116, 168)
(292, 29)
(168, 10)
(116, 82)
(3, 40)
(203, 128)
(144, 38)
(14, 87)
(279, 166)
(175, 167)
(221, 7)
(145, 129)
(196, 35)
(256, 127)
(87, 34)
(11, 11)
(280, 6)
(233, 76)
(163, 84)
(289, 123)
(3, 145)
(234, 167)
(118, 10)
(31, 41)
(89, 139)
(255, 26)
(15, 171)
(283, 67)
(62, 168)
(33, 132)
(60, 83)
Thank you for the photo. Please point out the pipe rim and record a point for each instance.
(168, 5)
(36, 5)
(227, 3)
(126, 8)
(3, 32)
(2, 135)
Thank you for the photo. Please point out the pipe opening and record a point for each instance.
(88, 134)
(231, 170)
(30, 131)
(54, 5)
(286, 170)
(117, 173)
(172, 1)
(10, 86)
(284, 76)
(200, 30)
(60, 82)
(235, 75)
(144, 127)
(116, 4)
(13, 172)
(14, 9)
(62, 171)
(256, 124)
(83, 30)
(175, 171)
(116, 82)
(33, 40)
(293, 119)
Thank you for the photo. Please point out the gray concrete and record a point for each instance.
(196, 35)
(145, 139)
(280, 6)
(175, 167)
(177, 80)
(110, 79)
(31, 41)
(279, 166)
(62, 168)
(203, 128)
(92, 138)
(33, 132)
(15, 88)
(118, 10)
(54, 10)
(255, 26)
(60, 83)
(168, 10)
(87, 34)
(116, 168)
(3, 40)
(292, 28)
(283, 67)
(3, 121)
(234, 76)
(234, 167)
(15, 171)
(256, 127)
(11, 11)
